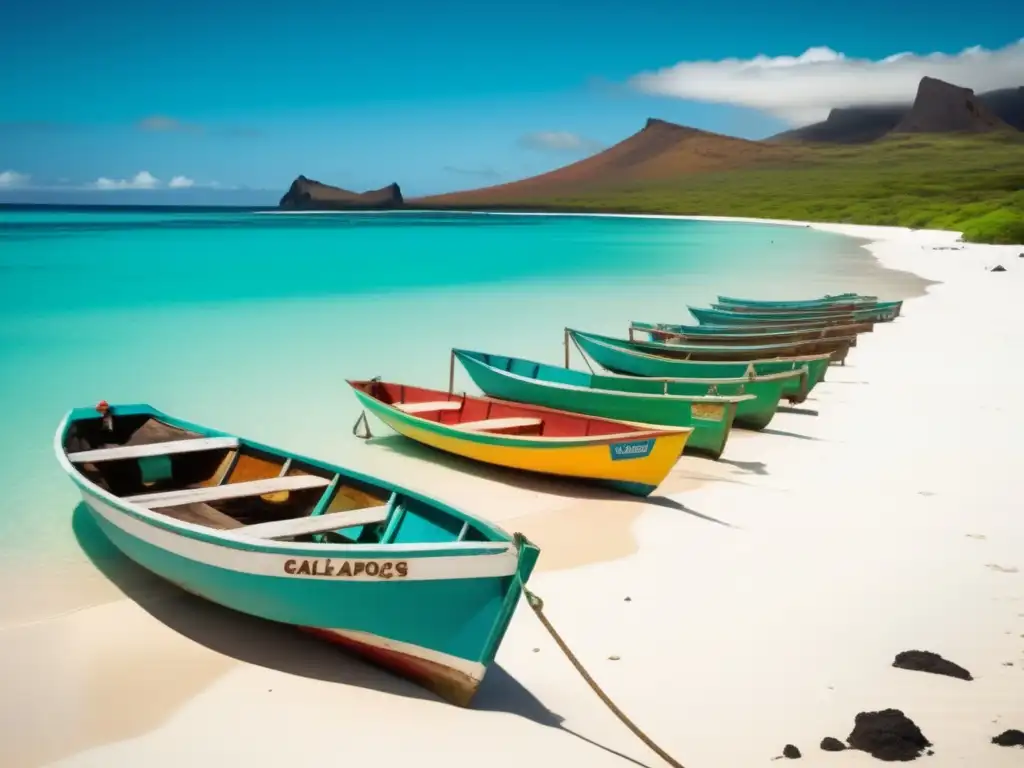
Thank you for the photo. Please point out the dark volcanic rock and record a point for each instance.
(1008, 104)
(791, 752)
(863, 123)
(850, 125)
(926, 661)
(1010, 738)
(941, 107)
(309, 195)
(830, 744)
(887, 735)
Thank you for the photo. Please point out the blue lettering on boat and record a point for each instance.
(634, 450)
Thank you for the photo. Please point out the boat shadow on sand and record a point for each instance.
(529, 481)
(280, 647)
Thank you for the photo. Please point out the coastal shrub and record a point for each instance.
(973, 184)
(1000, 227)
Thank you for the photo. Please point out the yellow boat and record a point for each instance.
(630, 457)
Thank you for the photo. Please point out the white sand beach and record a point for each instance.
(762, 605)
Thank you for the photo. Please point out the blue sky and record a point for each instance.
(434, 95)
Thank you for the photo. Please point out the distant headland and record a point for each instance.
(309, 195)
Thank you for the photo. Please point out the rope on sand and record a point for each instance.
(538, 608)
(366, 424)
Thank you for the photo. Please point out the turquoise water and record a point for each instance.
(251, 322)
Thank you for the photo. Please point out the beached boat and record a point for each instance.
(724, 333)
(817, 364)
(706, 316)
(679, 334)
(674, 402)
(720, 322)
(630, 358)
(633, 458)
(870, 314)
(837, 349)
(833, 303)
(526, 381)
(747, 348)
(409, 583)
(838, 298)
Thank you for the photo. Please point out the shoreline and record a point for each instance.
(769, 599)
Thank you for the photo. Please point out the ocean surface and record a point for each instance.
(252, 321)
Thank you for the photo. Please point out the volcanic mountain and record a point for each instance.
(939, 107)
(944, 108)
(660, 151)
(307, 194)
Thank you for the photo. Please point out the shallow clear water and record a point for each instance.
(251, 322)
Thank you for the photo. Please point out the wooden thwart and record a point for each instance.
(440, 405)
(333, 521)
(507, 423)
(228, 491)
(154, 449)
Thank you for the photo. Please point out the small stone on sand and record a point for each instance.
(791, 752)
(887, 735)
(926, 661)
(1010, 738)
(832, 744)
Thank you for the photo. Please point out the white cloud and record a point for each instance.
(558, 141)
(181, 182)
(802, 89)
(11, 179)
(141, 180)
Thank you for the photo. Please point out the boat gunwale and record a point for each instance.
(234, 539)
(716, 399)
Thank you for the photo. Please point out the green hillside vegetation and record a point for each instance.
(973, 184)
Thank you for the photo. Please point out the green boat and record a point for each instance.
(643, 401)
(632, 359)
(825, 329)
(728, 317)
(837, 349)
(838, 298)
(675, 334)
(869, 314)
(848, 301)
(748, 326)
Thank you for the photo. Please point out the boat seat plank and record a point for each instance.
(506, 423)
(332, 521)
(202, 514)
(433, 407)
(228, 491)
(153, 449)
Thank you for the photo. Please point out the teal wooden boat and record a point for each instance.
(634, 359)
(709, 406)
(846, 301)
(409, 583)
(814, 330)
(725, 317)
(526, 381)
(838, 298)
(872, 314)
(674, 334)
(837, 349)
